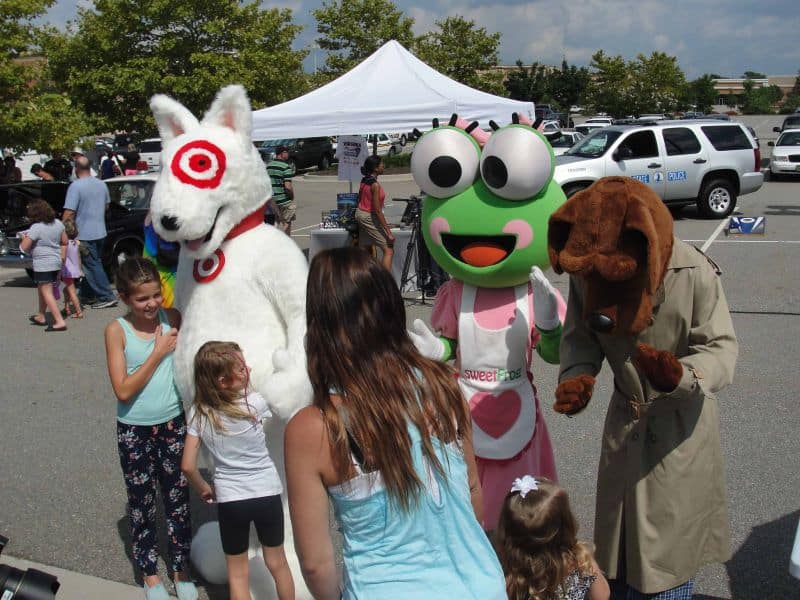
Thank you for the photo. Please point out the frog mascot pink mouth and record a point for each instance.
(488, 198)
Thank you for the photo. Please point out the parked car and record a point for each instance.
(575, 109)
(150, 152)
(130, 202)
(385, 144)
(707, 162)
(790, 122)
(549, 126)
(599, 120)
(587, 128)
(785, 160)
(565, 141)
(303, 152)
(652, 117)
(122, 140)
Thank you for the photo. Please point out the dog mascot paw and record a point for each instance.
(488, 197)
(653, 308)
(238, 279)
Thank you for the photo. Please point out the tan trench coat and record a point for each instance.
(661, 469)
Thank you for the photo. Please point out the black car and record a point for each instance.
(303, 152)
(130, 202)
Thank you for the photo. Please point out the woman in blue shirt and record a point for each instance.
(388, 441)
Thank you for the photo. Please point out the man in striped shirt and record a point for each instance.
(280, 174)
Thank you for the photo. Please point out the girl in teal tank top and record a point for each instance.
(151, 427)
(388, 442)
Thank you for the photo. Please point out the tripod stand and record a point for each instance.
(427, 275)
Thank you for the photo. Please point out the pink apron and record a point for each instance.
(509, 434)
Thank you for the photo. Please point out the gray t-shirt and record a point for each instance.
(46, 250)
(88, 197)
(244, 469)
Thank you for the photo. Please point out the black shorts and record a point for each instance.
(235, 518)
(45, 276)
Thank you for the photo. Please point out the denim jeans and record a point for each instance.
(95, 282)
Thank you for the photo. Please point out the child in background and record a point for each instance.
(227, 420)
(46, 242)
(71, 271)
(540, 554)
(150, 424)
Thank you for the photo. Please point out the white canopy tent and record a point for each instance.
(391, 91)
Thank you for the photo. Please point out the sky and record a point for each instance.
(724, 37)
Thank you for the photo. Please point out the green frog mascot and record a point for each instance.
(488, 198)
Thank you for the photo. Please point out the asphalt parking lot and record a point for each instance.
(62, 499)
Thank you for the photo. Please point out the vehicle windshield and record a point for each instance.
(789, 138)
(791, 122)
(133, 195)
(595, 144)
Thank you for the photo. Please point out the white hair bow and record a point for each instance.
(525, 484)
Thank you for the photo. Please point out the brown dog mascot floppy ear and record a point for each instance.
(616, 238)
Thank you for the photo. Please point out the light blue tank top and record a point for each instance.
(436, 550)
(158, 401)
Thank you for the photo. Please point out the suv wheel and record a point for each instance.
(324, 162)
(571, 190)
(392, 151)
(293, 164)
(403, 139)
(718, 199)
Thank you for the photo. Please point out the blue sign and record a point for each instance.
(346, 201)
(747, 225)
(642, 178)
(676, 175)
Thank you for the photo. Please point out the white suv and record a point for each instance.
(709, 162)
(150, 152)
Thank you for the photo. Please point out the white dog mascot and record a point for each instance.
(238, 279)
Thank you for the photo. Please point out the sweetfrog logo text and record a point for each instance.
(495, 375)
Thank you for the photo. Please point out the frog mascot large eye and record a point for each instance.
(487, 202)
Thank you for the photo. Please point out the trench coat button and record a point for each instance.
(635, 437)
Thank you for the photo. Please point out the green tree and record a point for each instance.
(351, 30)
(567, 85)
(610, 86)
(463, 52)
(701, 93)
(753, 75)
(35, 115)
(792, 100)
(760, 101)
(657, 84)
(527, 84)
(124, 51)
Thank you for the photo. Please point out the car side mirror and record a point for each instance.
(622, 153)
(776, 129)
(770, 143)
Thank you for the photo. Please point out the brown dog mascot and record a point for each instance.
(654, 308)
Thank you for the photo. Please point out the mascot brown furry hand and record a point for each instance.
(653, 308)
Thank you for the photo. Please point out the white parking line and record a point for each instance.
(709, 241)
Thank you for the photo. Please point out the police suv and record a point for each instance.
(706, 161)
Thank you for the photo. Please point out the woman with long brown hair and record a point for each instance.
(388, 440)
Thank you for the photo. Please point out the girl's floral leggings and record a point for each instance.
(151, 454)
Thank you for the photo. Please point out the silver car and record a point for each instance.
(709, 162)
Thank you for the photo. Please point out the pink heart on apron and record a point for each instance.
(495, 414)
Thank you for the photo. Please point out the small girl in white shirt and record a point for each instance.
(227, 420)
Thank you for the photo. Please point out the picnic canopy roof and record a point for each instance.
(391, 91)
